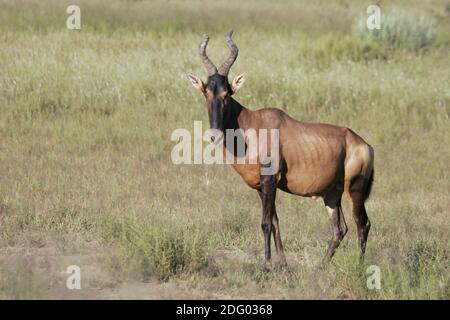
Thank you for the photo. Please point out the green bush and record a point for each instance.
(399, 30)
(162, 249)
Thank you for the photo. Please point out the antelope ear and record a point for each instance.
(237, 83)
(196, 82)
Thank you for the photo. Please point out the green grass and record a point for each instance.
(85, 170)
(400, 31)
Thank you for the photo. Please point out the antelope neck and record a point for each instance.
(238, 117)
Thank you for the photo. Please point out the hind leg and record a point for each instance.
(356, 195)
(337, 221)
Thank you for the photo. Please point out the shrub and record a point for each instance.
(399, 30)
(162, 249)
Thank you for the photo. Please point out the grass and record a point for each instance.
(85, 170)
(400, 31)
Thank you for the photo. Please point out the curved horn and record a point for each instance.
(225, 67)
(210, 67)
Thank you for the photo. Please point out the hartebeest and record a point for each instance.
(316, 160)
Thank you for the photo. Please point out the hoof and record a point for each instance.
(325, 262)
(281, 261)
(267, 265)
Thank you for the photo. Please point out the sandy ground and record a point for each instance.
(40, 273)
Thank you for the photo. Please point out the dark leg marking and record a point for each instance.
(267, 194)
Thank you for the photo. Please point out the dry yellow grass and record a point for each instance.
(85, 170)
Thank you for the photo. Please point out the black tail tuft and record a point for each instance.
(368, 186)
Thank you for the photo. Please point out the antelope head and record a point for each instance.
(217, 90)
